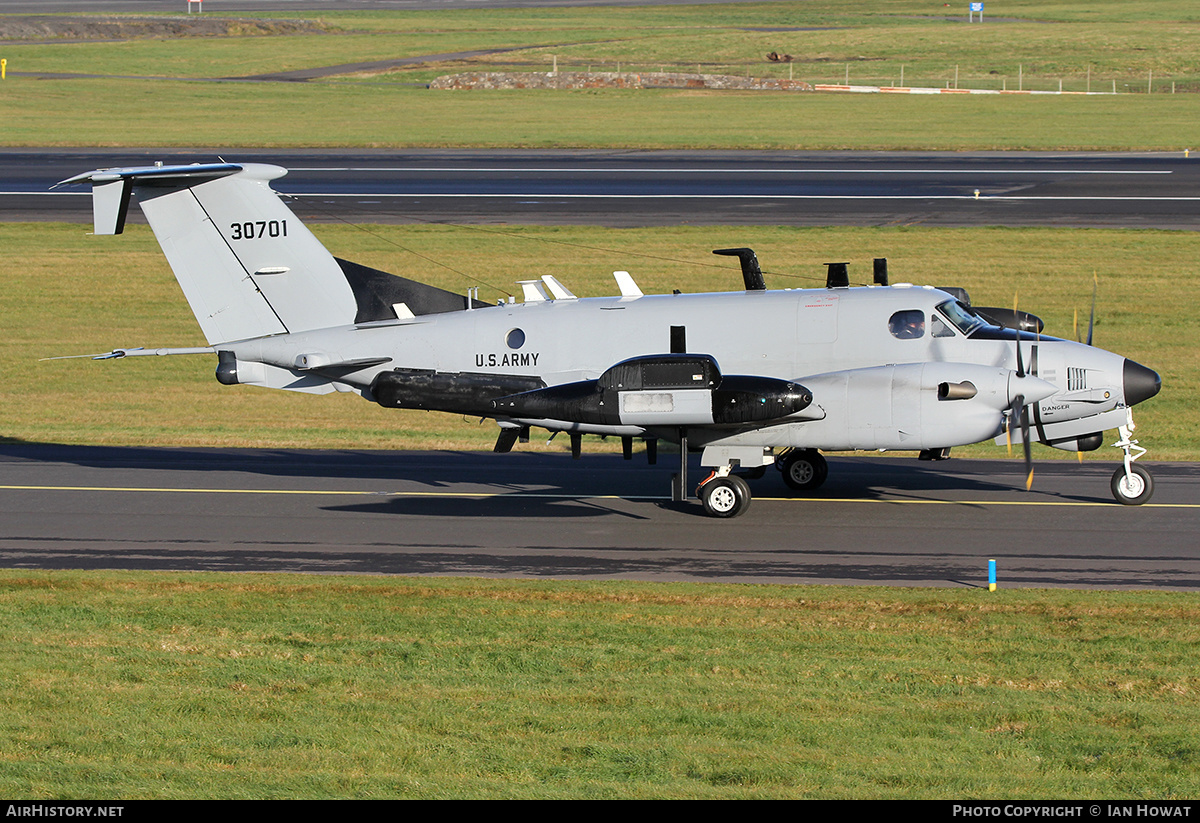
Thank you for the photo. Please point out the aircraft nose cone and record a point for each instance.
(1141, 383)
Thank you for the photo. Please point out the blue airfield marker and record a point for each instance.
(991, 575)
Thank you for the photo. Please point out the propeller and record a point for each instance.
(1091, 327)
(1017, 333)
(1092, 317)
(1020, 410)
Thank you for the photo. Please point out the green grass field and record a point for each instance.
(1136, 46)
(133, 685)
(143, 685)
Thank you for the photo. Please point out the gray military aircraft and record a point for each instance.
(750, 378)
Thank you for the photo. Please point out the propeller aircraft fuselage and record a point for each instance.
(751, 377)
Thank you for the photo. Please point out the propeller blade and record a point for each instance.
(1028, 447)
(1092, 319)
(1013, 413)
(1018, 414)
(1017, 332)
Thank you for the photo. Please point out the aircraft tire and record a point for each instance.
(1133, 490)
(804, 469)
(725, 496)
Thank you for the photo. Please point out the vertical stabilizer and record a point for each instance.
(247, 265)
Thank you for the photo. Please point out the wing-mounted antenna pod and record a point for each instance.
(752, 275)
(663, 390)
(838, 276)
(1010, 318)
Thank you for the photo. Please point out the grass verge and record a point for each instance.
(178, 113)
(147, 685)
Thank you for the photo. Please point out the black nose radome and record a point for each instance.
(1141, 383)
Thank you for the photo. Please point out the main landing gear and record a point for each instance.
(803, 469)
(725, 494)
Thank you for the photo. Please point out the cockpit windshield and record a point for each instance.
(961, 317)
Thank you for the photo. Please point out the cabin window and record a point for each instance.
(907, 325)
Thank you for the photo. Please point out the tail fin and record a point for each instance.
(247, 265)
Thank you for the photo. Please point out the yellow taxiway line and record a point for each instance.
(563, 496)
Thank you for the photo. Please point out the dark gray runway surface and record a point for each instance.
(624, 188)
(669, 187)
(878, 520)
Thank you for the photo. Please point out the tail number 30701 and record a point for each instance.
(253, 229)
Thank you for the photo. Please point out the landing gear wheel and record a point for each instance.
(1133, 489)
(804, 470)
(727, 496)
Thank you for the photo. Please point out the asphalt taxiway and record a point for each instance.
(878, 520)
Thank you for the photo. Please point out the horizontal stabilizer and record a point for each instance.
(111, 187)
(137, 352)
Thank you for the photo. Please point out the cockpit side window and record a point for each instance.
(908, 324)
(939, 327)
(961, 317)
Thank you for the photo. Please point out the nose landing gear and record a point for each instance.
(1131, 484)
